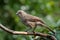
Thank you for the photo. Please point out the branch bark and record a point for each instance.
(26, 33)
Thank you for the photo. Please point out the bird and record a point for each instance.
(32, 21)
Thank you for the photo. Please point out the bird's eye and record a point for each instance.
(19, 13)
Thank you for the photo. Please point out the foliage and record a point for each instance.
(48, 10)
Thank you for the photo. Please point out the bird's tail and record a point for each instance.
(47, 27)
(50, 29)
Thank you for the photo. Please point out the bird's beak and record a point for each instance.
(16, 13)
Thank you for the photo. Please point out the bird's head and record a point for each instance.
(19, 12)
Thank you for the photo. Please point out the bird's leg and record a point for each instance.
(34, 30)
(28, 29)
(34, 27)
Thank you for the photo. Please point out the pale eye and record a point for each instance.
(19, 12)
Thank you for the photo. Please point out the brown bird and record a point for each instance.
(32, 21)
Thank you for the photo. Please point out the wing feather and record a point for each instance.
(34, 18)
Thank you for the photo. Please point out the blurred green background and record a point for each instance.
(48, 10)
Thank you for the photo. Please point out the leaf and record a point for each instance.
(58, 35)
(58, 23)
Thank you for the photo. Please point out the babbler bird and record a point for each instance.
(32, 21)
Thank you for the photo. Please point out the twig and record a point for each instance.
(26, 33)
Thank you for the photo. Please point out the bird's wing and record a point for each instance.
(34, 19)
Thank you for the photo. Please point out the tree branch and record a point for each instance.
(26, 33)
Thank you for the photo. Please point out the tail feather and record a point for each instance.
(41, 24)
(50, 30)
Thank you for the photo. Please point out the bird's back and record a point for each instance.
(33, 18)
